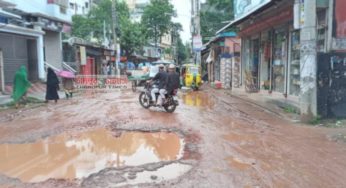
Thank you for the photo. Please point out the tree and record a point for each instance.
(214, 13)
(182, 51)
(132, 38)
(81, 27)
(156, 18)
(130, 34)
(93, 23)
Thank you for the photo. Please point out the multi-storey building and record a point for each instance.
(31, 35)
(136, 11)
(80, 7)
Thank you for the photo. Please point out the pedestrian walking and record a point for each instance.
(52, 86)
(68, 87)
(20, 85)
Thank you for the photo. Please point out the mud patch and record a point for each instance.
(76, 156)
(239, 138)
(238, 164)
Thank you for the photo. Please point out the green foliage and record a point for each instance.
(81, 27)
(132, 38)
(213, 16)
(182, 51)
(92, 26)
(168, 50)
(157, 18)
(290, 109)
(222, 5)
(316, 120)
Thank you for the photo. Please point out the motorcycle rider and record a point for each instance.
(161, 76)
(172, 83)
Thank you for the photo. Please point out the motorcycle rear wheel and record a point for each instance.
(170, 106)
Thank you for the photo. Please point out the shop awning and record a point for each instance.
(93, 52)
(246, 16)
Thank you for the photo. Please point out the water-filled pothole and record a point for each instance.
(77, 156)
(198, 99)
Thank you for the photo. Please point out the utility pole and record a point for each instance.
(198, 27)
(196, 23)
(114, 18)
(308, 61)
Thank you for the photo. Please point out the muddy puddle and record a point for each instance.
(76, 156)
(198, 99)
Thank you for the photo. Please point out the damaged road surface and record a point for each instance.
(78, 156)
(212, 140)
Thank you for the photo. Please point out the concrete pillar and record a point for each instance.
(40, 54)
(308, 62)
(40, 58)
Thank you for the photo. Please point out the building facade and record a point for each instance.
(136, 11)
(31, 35)
(284, 44)
(80, 7)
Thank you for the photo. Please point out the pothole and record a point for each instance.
(76, 156)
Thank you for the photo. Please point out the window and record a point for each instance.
(63, 10)
(86, 5)
(321, 30)
(71, 5)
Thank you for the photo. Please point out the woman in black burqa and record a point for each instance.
(52, 86)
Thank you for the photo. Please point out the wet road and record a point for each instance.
(212, 140)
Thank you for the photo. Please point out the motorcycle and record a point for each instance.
(145, 99)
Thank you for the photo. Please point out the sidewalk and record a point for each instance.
(37, 91)
(286, 108)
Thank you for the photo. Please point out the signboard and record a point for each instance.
(83, 58)
(197, 43)
(298, 14)
(244, 7)
(340, 18)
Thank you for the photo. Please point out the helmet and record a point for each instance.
(161, 66)
(171, 66)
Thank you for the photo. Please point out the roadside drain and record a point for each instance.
(77, 156)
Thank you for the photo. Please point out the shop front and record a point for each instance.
(270, 53)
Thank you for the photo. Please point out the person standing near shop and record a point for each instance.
(52, 86)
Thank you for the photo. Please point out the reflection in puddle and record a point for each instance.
(198, 99)
(70, 157)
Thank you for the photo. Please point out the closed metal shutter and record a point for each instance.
(15, 54)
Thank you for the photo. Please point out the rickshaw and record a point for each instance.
(191, 76)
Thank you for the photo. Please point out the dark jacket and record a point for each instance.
(162, 78)
(173, 82)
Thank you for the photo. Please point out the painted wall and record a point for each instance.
(53, 49)
(340, 17)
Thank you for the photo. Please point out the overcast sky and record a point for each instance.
(183, 8)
